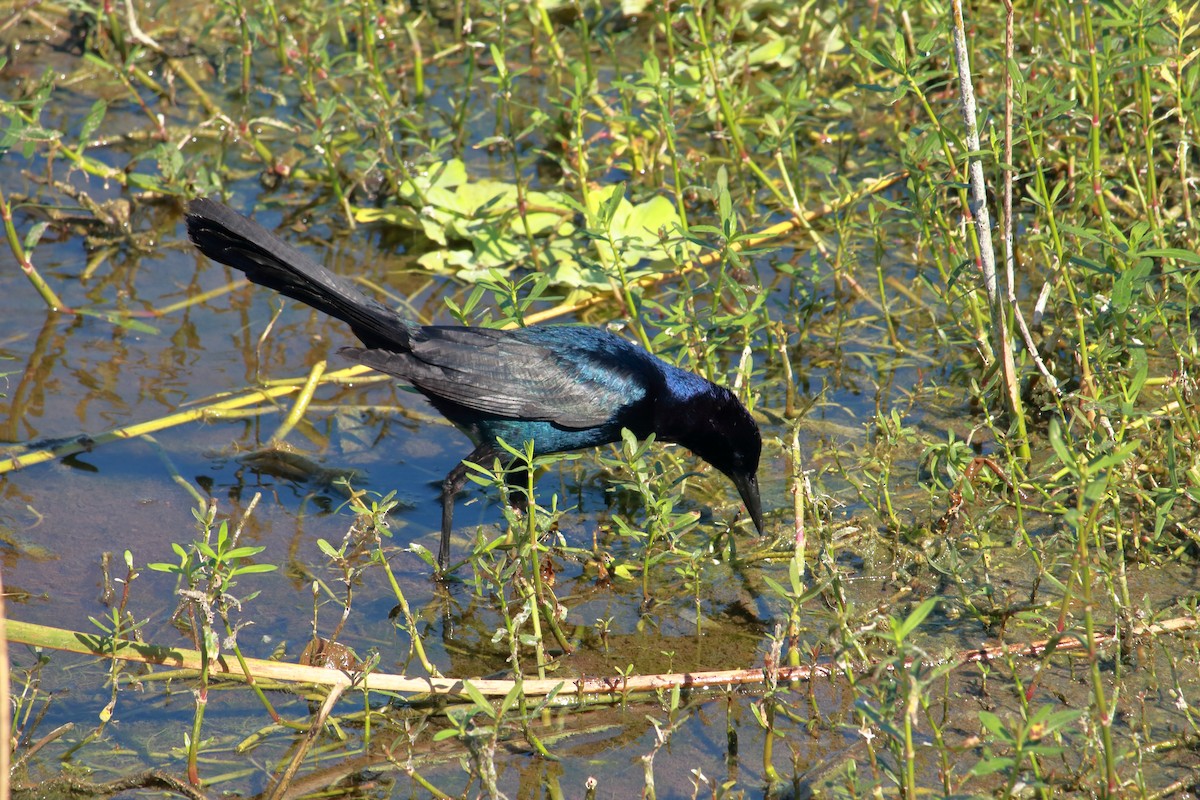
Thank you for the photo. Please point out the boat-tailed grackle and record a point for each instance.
(563, 387)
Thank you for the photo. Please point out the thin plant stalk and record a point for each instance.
(732, 124)
(303, 398)
(47, 294)
(535, 594)
(1095, 167)
(410, 621)
(6, 708)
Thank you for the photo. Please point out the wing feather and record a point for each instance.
(574, 377)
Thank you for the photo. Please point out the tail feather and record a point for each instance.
(229, 238)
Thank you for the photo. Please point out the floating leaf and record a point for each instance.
(637, 230)
(452, 211)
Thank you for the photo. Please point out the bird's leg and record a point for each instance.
(517, 482)
(451, 486)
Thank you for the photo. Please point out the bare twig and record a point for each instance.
(301, 750)
(983, 230)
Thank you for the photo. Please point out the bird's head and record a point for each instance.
(715, 425)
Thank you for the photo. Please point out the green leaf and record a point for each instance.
(768, 53)
(1174, 253)
(795, 576)
(444, 260)
(1109, 460)
(255, 569)
(776, 586)
(150, 183)
(989, 766)
(1131, 281)
(1050, 720)
(1060, 446)
(35, 235)
(725, 204)
(1141, 371)
(607, 210)
(478, 699)
(914, 619)
(442, 174)
(992, 723)
(509, 701)
(243, 552)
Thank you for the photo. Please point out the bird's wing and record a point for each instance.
(575, 381)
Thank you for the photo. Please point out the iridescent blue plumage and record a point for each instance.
(563, 387)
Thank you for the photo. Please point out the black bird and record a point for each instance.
(563, 387)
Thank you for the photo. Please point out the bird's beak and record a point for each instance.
(747, 486)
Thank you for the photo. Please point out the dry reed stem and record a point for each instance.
(272, 391)
(617, 687)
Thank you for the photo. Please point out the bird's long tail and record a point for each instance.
(226, 236)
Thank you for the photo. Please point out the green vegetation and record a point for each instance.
(980, 412)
